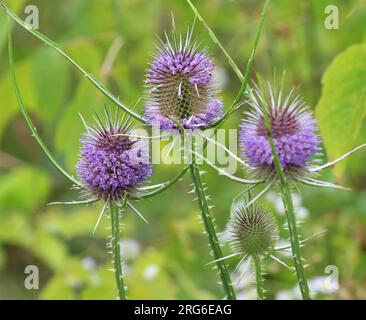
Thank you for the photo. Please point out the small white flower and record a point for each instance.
(151, 271)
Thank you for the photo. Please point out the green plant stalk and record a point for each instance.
(116, 250)
(207, 220)
(258, 277)
(162, 189)
(29, 120)
(294, 239)
(248, 69)
(211, 233)
(50, 156)
(87, 75)
(193, 166)
(217, 41)
(290, 215)
(244, 79)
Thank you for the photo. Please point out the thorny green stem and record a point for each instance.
(99, 86)
(207, 221)
(258, 277)
(210, 231)
(193, 167)
(116, 250)
(290, 215)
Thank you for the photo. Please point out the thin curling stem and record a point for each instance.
(216, 41)
(244, 83)
(116, 250)
(211, 233)
(28, 119)
(290, 215)
(258, 277)
(244, 79)
(87, 75)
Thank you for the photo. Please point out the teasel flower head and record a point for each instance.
(293, 129)
(112, 163)
(180, 86)
(253, 231)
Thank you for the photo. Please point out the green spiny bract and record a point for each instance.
(253, 231)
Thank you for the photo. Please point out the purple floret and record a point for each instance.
(294, 132)
(111, 165)
(200, 121)
(180, 86)
(197, 68)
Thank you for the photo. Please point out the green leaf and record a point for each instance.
(70, 128)
(2, 257)
(67, 282)
(150, 279)
(356, 164)
(9, 105)
(27, 117)
(101, 285)
(48, 248)
(18, 229)
(51, 80)
(341, 109)
(14, 5)
(87, 75)
(78, 222)
(24, 189)
(15, 229)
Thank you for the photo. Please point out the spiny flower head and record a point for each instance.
(180, 86)
(253, 231)
(111, 162)
(293, 129)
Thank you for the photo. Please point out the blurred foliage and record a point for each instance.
(342, 107)
(168, 257)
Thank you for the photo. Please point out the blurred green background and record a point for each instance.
(167, 258)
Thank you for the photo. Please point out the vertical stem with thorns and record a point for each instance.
(290, 215)
(294, 238)
(116, 250)
(258, 277)
(210, 231)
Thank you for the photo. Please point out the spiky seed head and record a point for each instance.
(180, 86)
(293, 129)
(253, 231)
(111, 162)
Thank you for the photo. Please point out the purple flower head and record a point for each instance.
(293, 129)
(180, 86)
(111, 162)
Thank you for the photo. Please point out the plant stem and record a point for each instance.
(116, 250)
(211, 233)
(258, 277)
(163, 188)
(87, 75)
(206, 218)
(248, 69)
(216, 41)
(295, 242)
(290, 215)
(244, 79)
(28, 119)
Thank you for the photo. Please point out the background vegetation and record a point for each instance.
(167, 258)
